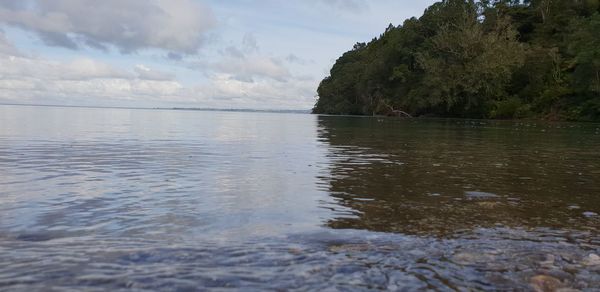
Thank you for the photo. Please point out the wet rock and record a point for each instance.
(387, 248)
(544, 283)
(558, 274)
(36, 237)
(590, 214)
(480, 195)
(592, 260)
(570, 268)
(417, 253)
(574, 207)
(469, 258)
(349, 248)
(549, 262)
(566, 256)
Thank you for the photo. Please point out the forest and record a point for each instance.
(502, 59)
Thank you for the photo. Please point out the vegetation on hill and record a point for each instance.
(476, 59)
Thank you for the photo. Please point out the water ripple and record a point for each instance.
(169, 200)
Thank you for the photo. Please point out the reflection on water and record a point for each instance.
(150, 173)
(443, 177)
(177, 200)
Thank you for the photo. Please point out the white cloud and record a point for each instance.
(354, 6)
(37, 80)
(78, 69)
(229, 92)
(247, 63)
(253, 67)
(31, 79)
(172, 25)
(28, 79)
(263, 54)
(152, 74)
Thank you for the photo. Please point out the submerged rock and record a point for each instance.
(358, 247)
(38, 237)
(544, 283)
(592, 260)
(480, 195)
(548, 262)
(472, 258)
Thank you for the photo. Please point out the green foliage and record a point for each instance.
(511, 108)
(480, 59)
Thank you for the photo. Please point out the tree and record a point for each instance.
(466, 58)
(468, 67)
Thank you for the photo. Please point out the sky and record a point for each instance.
(242, 54)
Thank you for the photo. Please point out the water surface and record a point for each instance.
(175, 200)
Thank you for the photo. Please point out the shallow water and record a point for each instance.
(97, 199)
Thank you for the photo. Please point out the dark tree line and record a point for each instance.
(476, 59)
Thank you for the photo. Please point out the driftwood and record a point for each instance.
(396, 112)
(402, 113)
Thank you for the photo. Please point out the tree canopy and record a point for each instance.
(476, 59)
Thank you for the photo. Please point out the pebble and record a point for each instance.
(549, 262)
(480, 195)
(590, 214)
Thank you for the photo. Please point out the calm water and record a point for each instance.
(113, 199)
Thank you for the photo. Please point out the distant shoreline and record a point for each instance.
(166, 108)
(308, 112)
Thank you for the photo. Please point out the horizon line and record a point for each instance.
(298, 111)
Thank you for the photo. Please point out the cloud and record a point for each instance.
(354, 6)
(151, 74)
(178, 26)
(246, 63)
(294, 59)
(6, 47)
(250, 68)
(71, 83)
(85, 81)
(249, 43)
(78, 69)
(174, 56)
(233, 52)
(31, 79)
(228, 92)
